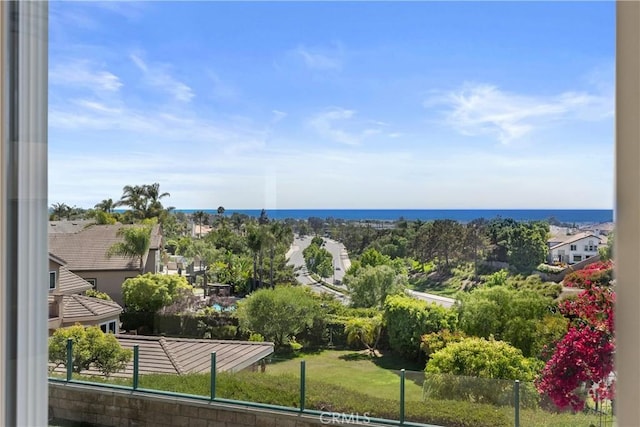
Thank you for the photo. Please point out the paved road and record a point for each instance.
(297, 260)
(440, 300)
(341, 261)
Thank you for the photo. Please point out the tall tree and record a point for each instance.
(263, 218)
(107, 205)
(144, 200)
(254, 242)
(476, 242)
(135, 244)
(133, 196)
(371, 286)
(59, 211)
(199, 217)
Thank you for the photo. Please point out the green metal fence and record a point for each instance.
(508, 403)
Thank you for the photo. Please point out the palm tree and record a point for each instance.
(254, 242)
(277, 233)
(144, 200)
(153, 196)
(365, 331)
(199, 216)
(135, 198)
(60, 210)
(106, 205)
(135, 244)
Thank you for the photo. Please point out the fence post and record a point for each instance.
(402, 377)
(302, 384)
(213, 376)
(136, 363)
(69, 358)
(516, 402)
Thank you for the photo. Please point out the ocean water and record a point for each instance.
(579, 216)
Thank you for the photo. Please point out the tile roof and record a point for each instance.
(69, 226)
(575, 238)
(181, 355)
(80, 307)
(69, 283)
(86, 249)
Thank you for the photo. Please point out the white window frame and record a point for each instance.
(110, 327)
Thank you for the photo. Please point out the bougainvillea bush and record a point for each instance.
(583, 359)
(598, 274)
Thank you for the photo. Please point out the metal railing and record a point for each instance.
(506, 394)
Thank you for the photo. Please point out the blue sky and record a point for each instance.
(426, 105)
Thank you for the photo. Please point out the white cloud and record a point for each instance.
(341, 125)
(278, 115)
(318, 59)
(82, 73)
(158, 77)
(483, 109)
(325, 124)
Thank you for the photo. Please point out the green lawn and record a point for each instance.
(378, 377)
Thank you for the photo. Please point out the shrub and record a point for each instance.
(91, 347)
(476, 370)
(407, 319)
(597, 274)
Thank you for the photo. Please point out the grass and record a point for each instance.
(352, 382)
(379, 377)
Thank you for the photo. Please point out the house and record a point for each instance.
(601, 229)
(85, 251)
(574, 248)
(68, 305)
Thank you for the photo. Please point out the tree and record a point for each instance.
(199, 217)
(107, 205)
(371, 286)
(255, 244)
(103, 217)
(318, 259)
(373, 258)
(476, 242)
(153, 206)
(584, 357)
(144, 200)
(150, 292)
(91, 346)
(364, 330)
(59, 211)
(263, 218)
(279, 314)
(408, 319)
(135, 244)
(316, 224)
(506, 314)
(528, 246)
(606, 252)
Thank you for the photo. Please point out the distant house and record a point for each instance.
(601, 229)
(85, 251)
(573, 248)
(67, 305)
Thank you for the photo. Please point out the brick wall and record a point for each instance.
(107, 407)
